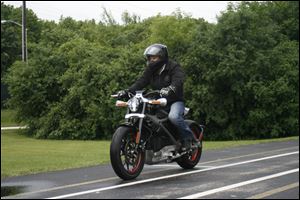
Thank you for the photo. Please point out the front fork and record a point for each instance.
(139, 133)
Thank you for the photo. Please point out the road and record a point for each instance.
(269, 170)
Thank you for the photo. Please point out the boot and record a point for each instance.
(186, 144)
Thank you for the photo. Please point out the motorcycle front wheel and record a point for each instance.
(126, 160)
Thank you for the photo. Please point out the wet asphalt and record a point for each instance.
(269, 170)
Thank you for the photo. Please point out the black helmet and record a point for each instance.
(157, 50)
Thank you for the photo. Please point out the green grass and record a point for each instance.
(22, 155)
(8, 118)
(229, 144)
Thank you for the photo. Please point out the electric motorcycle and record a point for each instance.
(148, 137)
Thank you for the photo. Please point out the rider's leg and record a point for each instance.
(176, 118)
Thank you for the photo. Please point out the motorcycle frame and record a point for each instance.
(130, 122)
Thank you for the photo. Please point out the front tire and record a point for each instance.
(126, 160)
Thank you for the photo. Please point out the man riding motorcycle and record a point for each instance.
(167, 76)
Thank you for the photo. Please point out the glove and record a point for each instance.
(122, 93)
(164, 92)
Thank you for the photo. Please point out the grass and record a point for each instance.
(22, 155)
(229, 144)
(8, 118)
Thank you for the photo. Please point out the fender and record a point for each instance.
(134, 129)
(128, 125)
(201, 127)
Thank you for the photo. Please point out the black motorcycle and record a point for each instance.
(147, 136)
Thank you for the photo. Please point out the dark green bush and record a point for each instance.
(242, 74)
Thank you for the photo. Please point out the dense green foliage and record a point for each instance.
(242, 74)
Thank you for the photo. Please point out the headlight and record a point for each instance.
(133, 104)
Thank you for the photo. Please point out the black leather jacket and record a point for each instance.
(170, 74)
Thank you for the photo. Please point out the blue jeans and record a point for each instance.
(176, 118)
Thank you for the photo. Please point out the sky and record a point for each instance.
(87, 10)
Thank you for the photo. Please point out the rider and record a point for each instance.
(167, 76)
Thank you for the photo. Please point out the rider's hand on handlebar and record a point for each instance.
(164, 92)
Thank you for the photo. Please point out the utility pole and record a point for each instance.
(24, 33)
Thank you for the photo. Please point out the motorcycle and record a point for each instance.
(148, 137)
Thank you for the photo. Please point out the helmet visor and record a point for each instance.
(152, 51)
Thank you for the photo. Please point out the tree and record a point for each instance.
(11, 36)
(242, 74)
(249, 72)
(127, 19)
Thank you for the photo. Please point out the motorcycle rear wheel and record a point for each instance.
(126, 160)
(189, 161)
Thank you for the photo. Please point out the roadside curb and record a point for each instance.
(13, 127)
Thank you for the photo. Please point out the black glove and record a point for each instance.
(122, 93)
(164, 92)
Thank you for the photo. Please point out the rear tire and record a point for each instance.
(126, 161)
(190, 160)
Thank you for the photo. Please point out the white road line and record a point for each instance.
(229, 187)
(249, 155)
(149, 167)
(79, 184)
(275, 191)
(168, 176)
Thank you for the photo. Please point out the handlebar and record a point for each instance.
(149, 93)
(156, 101)
(114, 96)
(117, 96)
